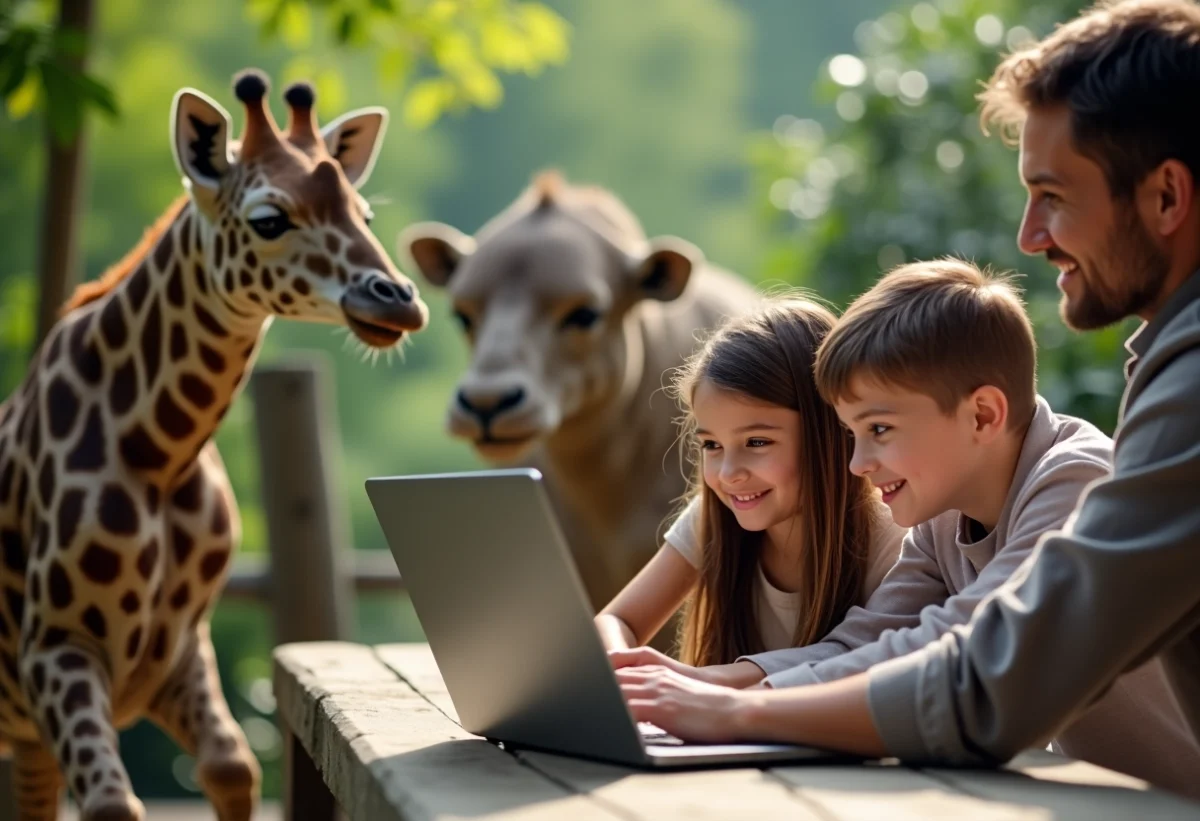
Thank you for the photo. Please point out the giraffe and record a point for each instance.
(116, 516)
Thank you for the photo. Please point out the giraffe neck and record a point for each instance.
(170, 350)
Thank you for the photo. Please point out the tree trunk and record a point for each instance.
(59, 241)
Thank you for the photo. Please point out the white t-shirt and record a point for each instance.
(778, 611)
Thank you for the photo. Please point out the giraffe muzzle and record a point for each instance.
(380, 310)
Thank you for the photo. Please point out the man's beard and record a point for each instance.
(1133, 277)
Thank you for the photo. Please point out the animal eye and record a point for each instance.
(463, 320)
(582, 317)
(269, 222)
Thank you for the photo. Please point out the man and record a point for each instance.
(1110, 154)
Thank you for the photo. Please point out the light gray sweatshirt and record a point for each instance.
(1119, 584)
(942, 576)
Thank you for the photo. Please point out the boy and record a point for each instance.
(933, 371)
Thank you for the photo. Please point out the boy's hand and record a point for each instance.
(684, 707)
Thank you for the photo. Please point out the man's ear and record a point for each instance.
(1172, 190)
(435, 249)
(354, 140)
(989, 408)
(200, 143)
(664, 271)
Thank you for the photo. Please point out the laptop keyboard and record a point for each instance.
(652, 734)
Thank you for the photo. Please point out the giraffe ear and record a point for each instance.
(200, 139)
(354, 140)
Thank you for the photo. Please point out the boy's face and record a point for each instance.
(920, 458)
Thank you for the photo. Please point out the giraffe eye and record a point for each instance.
(269, 222)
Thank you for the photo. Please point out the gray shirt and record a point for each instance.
(944, 573)
(1119, 584)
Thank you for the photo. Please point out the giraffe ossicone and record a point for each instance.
(117, 521)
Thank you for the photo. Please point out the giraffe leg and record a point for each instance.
(37, 782)
(191, 708)
(70, 693)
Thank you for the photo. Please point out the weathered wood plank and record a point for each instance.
(705, 795)
(414, 663)
(869, 792)
(1070, 790)
(386, 753)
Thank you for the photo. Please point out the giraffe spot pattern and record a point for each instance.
(70, 509)
(88, 453)
(210, 322)
(83, 729)
(16, 604)
(147, 559)
(159, 651)
(46, 481)
(187, 495)
(13, 549)
(134, 644)
(54, 637)
(197, 391)
(213, 563)
(211, 359)
(51, 720)
(77, 695)
(179, 342)
(100, 564)
(58, 586)
(87, 755)
(62, 407)
(123, 390)
(164, 250)
(152, 497)
(140, 451)
(220, 519)
(72, 660)
(138, 288)
(181, 544)
(6, 481)
(112, 322)
(118, 513)
(180, 597)
(84, 355)
(130, 602)
(173, 420)
(201, 279)
(38, 677)
(152, 343)
(94, 621)
(175, 286)
(319, 265)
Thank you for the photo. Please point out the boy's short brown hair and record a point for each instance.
(942, 328)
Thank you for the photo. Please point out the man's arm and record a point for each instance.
(913, 583)
(1094, 601)
(1043, 506)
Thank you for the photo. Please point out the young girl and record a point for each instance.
(778, 538)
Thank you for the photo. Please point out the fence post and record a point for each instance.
(311, 593)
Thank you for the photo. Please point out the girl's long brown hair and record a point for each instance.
(768, 356)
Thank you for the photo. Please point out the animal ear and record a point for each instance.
(200, 140)
(664, 272)
(435, 249)
(354, 140)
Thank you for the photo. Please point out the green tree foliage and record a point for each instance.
(900, 170)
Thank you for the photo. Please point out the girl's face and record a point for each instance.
(751, 456)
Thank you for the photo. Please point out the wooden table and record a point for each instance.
(374, 728)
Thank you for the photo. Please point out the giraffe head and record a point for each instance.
(284, 229)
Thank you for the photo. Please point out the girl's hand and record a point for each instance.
(739, 674)
(686, 708)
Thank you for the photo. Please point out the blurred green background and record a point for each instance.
(795, 141)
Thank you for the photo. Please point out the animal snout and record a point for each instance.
(487, 403)
(390, 291)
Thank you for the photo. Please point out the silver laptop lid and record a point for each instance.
(504, 610)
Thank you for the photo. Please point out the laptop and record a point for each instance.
(505, 614)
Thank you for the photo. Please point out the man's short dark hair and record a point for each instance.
(1128, 72)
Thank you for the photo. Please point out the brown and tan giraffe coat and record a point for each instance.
(116, 517)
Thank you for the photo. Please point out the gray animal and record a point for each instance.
(574, 320)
